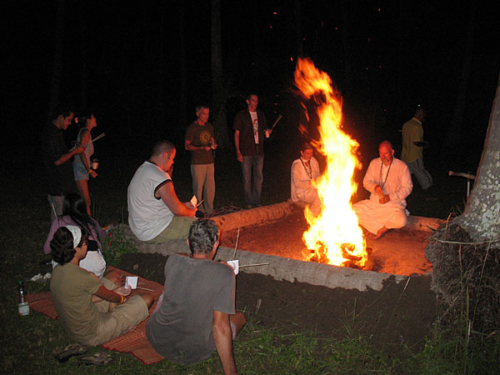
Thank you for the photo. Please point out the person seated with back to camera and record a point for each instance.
(75, 213)
(196, 312)
(89, 309)
(304, 171)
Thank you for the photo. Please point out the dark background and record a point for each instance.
(385, 57)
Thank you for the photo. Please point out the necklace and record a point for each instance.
(382, 183)
(308, 171)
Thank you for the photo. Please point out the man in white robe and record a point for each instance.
(389, 181)
(304, 170)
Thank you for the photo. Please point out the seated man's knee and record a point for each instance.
(148, 299)
(398, 220)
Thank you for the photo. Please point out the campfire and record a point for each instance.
(334, 236)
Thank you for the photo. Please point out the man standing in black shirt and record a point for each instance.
(56, 157)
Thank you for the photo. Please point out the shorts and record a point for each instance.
(178, 229)
(80, 171)
(123, 319)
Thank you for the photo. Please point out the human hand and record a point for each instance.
(384, 199)
(206, 148)
(239, 157)
(190, 205)
(379, 191)
(93, 173)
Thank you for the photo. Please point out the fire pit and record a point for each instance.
(271, 236)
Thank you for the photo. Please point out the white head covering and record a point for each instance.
(77, 234)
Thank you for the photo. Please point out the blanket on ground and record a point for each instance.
(134, 342)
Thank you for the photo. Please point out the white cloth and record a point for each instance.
(93, 262)
(301, 188)
(148, 216)
(395, 182)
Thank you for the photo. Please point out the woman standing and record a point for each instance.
(81, 164)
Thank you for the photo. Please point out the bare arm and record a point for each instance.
(239, 157)
(221, 330)
(64, 158)
(167, 194)
(108, 295)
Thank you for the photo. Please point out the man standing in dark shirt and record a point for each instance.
(200, 141)
(56, 157)
(250, 128)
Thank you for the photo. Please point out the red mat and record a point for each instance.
(134, 342)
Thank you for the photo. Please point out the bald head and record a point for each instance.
(386, 152)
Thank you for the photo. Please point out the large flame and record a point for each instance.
(334, 236)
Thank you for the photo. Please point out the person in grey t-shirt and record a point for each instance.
(197, 314)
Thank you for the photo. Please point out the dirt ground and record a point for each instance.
(397, 317)
(399, 252)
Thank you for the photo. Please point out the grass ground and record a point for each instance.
(27, 342)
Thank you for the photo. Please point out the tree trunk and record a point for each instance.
(480, 217)
(218, 90)
(452, 140)
(182, 67)
(298, 29)
(465, 255)
(55, 86)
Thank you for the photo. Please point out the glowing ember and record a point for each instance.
(334, 235)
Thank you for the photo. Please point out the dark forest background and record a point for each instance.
(141, 67)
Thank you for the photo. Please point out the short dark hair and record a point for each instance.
(161, 147)
(61, 110)
(250, 94)
(63, 250)
(203, 234)
(200, 106)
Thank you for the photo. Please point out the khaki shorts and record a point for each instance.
(121, 320)
(178, 229)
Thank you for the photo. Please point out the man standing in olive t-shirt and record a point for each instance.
(200, 141)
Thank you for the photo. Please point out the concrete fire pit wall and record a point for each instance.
(282, 268)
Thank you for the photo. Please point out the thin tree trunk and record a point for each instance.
(55, 86)
(452, 139)
(84, 72)
(298, 29)
(182, 67)
(218, 90)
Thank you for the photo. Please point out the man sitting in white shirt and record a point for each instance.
(389, 181)
(155, 212)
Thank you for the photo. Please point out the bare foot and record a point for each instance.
(380, 233)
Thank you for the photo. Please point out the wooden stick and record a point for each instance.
(54, 209)
(236, 246)
(279, 118)
(95, 139)
(255, 265)
(140, 287)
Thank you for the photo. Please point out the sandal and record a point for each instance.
(100, 358)
(69, 351)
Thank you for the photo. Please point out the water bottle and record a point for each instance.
(23, 305)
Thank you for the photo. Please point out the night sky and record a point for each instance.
(122, 60)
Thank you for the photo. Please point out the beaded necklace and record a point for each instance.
(308, 171)
(386, 176)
